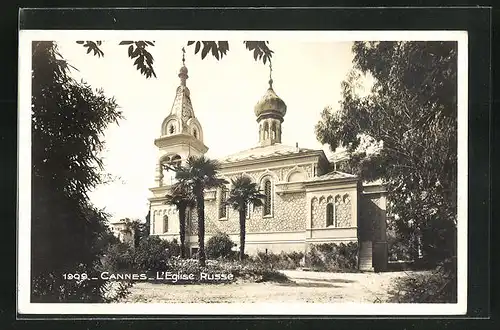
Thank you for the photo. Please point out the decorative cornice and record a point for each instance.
(271, 159)
(180, 139)
(329, 182)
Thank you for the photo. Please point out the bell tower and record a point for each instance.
(270, 112)
(181, 133)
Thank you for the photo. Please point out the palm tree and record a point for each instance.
(182, 197)
(243, 192)
(200, 173)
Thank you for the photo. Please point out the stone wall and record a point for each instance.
(289, 214)
(289, 211)
(342, 210)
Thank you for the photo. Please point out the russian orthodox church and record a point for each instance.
(307, 202)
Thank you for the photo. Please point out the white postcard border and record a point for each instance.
(24, 179)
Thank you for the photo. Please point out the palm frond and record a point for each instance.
(244, 191)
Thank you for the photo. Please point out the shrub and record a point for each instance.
(399, 248)
(117, 257)
(246, 271)
(153, 253)
(437, 286)
(219, 246)
(284, 260)
(333, 257)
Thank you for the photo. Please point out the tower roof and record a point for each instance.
(181, 119)
(270, 104)
(182, 107)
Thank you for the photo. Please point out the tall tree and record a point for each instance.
(242, 194)
(182, 197)
(68, 233)
(411, 113)
(200, 173)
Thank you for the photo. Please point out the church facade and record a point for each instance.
(307, 202)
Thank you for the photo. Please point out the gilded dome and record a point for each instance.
(270, 103)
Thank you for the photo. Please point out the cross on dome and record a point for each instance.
(270, 75)
(270, 112)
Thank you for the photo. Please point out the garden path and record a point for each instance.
(313, 287)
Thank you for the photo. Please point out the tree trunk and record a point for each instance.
(182, 230)
(200, 206)
(242, 233)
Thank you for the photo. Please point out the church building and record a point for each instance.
(307, 202)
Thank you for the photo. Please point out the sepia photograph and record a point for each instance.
(272, 172)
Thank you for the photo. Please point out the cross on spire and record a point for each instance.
(270, 75)
(183, 58)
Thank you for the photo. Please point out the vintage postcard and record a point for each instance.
(242, 172)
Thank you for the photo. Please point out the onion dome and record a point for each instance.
(270, 105)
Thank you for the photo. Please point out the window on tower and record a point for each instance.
(176, 160)
(273, 131)
(195, 133)
(266, 130)
(171, 129)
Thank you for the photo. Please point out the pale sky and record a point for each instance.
(307, 76)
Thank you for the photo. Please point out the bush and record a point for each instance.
(437, 286)
(398, 248)
(247, 271)
(153, 253)
(284, 260)
(220, 246)
(333, 257)
(118, 257)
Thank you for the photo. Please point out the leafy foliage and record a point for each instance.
(144, 59)
(260, 50)
(217, 48)
(333, 257)
(118, 257)
(411, 113)
(219, 246)
(243, 192)
(283, 260)
(92, 46)
(68, 233)
(137, 229)
(437, 286)
(241, 271)
(153, 253)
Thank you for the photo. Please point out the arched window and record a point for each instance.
(273, 130)
(268, 200)
(195, 133)
(176, 160)
(266, 130)
(171, 129)
(329, 215)
(222, 207)
(165, 223)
